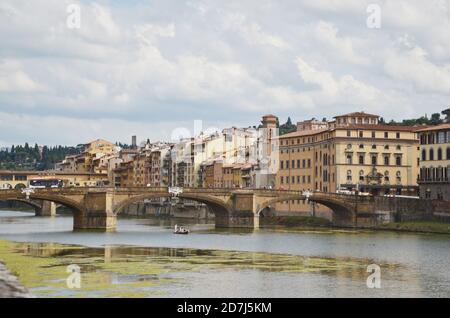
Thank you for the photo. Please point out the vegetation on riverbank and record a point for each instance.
(418, 226)
(311, 223)
(294, 221)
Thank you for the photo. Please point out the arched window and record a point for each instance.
(431, 157)
(448, 153)
(399, 176)
(349, 175)
(424, 155)
(349, 159)
(361, 175)
(386, 176)
(439, 154)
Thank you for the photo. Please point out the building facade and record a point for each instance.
(434, 177)
(353, 153)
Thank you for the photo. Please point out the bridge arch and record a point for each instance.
(29, 203)
(75, 206)
(217, 206)
(340, 210)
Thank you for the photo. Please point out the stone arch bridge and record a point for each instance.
(97, 208)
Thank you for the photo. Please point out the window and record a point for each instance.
(349, 159)
(424, 155)
(361, 134)
(361, 175)
(397, 135)
(361, 159)
(386, 160)
(399, 176)
(349, 146)
(386, 134)
(373, 134)
(298, 163)
(374, 160)
(439, 154)
(386, 147)
(398, 147)
(386, 176)
(374, 146)
(282, 165)
(431, 156)
(361, 146)
(349, 133)
(441, 137)
(398, 160)
(448, 153)
(287, 164)
(349, 175)
(298, 179)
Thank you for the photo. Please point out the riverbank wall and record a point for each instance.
(407, 210)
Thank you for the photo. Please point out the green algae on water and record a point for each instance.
(130, 271)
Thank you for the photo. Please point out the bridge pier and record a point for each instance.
(237, 220)
(98, 213)
(47, 208)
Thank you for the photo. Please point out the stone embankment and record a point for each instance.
(10, 286)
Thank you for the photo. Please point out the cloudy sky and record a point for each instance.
(147, 67)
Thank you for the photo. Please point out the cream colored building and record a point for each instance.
(354, 153)
(434, 177)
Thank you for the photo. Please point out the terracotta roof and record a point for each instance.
(351, 126)
(362, 114)
(378, 127)
(433, 128)
(303, 133)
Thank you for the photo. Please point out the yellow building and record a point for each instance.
(354, 152)
(434, 178)
(88, 161)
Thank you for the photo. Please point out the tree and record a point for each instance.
(435, 119)
(446, 112)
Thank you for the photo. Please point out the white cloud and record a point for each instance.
(345, 89)
(412, 65)
(14, 79)
(224, 61)
(252, 31)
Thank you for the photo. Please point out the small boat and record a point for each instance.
(180, 230)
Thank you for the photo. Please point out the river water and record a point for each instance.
(144, 259)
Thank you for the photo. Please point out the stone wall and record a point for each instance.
(10, 286)
(410, 209)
